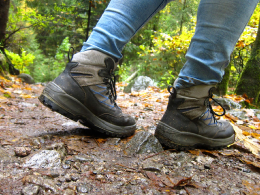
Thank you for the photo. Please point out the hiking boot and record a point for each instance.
(189, 121)
(85, 91)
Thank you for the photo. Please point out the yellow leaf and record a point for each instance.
(25, 96)
(248, 143)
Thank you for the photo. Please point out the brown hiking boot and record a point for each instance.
(189, 121)
(85, 91)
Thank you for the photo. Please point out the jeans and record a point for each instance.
(219, 26)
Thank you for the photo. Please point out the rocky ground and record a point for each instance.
(42, 152)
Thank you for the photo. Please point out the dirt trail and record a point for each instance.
(81, 161)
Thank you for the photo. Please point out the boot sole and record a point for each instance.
(179, 140)
(59, 101)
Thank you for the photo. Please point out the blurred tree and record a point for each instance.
(249, 82)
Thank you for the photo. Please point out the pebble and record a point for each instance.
(45, 183)
(99, 177)
(66, 166)
(77, 165)
(30, 190)
(206, 166)
(84, 188)
(36, 142)
(83, 158)
(22, 151)
(143, 142)
(74, 177)
(44, 159)
(69, 192)
(149, 165)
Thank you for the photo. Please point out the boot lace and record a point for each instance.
(210, 113)
(110, 82)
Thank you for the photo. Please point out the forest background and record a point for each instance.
(39, 34)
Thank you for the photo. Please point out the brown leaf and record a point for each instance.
(154, 178)
(167, 181)
(255, 164)
(180, 181)
(195, 152)
(253, 189)
(233, 118)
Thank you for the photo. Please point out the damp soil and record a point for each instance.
(88, 162)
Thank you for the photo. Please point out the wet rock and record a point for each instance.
(113, 141)
(54, 172)
(100, 177)
(77, 165)
(242, 114)
(206, 160)
(30, 190)
(5, 155)
(36, 142)
(22, 151)
(143, 142)
(28, 105)
(60, 147)
(74, 177)
(228, 104)
(66, 166)
(150, 165)
(69, 192)
(83, 158)
(26, 78)
(45, 183)
(44, 159)
(84, 188)
(70, 124)
(181, 159)
(238, 113)
(68, 177)
(142, 82)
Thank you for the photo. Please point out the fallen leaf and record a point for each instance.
(255, 164)
(253, 189)
(180, 181)
(154, 178)
(249, 144)
(195, 152)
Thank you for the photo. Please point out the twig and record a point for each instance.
(152, 155)
(126, 166)
(97, 142)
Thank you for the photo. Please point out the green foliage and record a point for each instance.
(46, 29)
(21, 61)
(242, 51)
(46, 69)
(3, 64)
(159, 55)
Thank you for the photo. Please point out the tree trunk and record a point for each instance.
(4, 9)
(182, 16)
(249, 82)
(222, 87)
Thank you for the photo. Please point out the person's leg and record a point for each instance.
(85, 90)
(118, 24)
(189, 119)
(219, 26)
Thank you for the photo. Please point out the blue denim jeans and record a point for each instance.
(219, 25)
